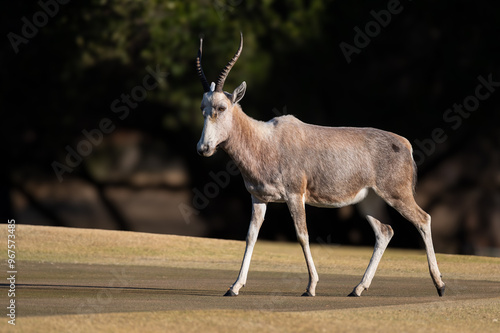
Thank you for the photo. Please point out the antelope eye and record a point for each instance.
(221, 108)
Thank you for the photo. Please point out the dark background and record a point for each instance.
(144, 175)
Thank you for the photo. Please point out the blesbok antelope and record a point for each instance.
(286, 160)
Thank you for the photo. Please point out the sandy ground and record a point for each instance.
(56, 289)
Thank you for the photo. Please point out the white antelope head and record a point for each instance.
(217, 106)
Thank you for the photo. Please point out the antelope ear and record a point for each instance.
(239, 92)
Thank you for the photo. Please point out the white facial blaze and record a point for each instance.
(209, 134)
(217, 122)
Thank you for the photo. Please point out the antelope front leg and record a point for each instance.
(298, 212)
(258, 212)
(383, 234)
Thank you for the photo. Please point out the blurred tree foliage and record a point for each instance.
(65, 78)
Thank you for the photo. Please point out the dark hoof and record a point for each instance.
(441, 291)
(307, 294)
(229, 292)
(353, 294)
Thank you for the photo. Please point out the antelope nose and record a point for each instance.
(202, 149)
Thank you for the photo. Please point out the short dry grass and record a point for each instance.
(36, 244)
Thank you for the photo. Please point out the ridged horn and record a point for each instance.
(230, 64)
(204, 82)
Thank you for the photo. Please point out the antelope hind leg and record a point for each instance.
(383, 234)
